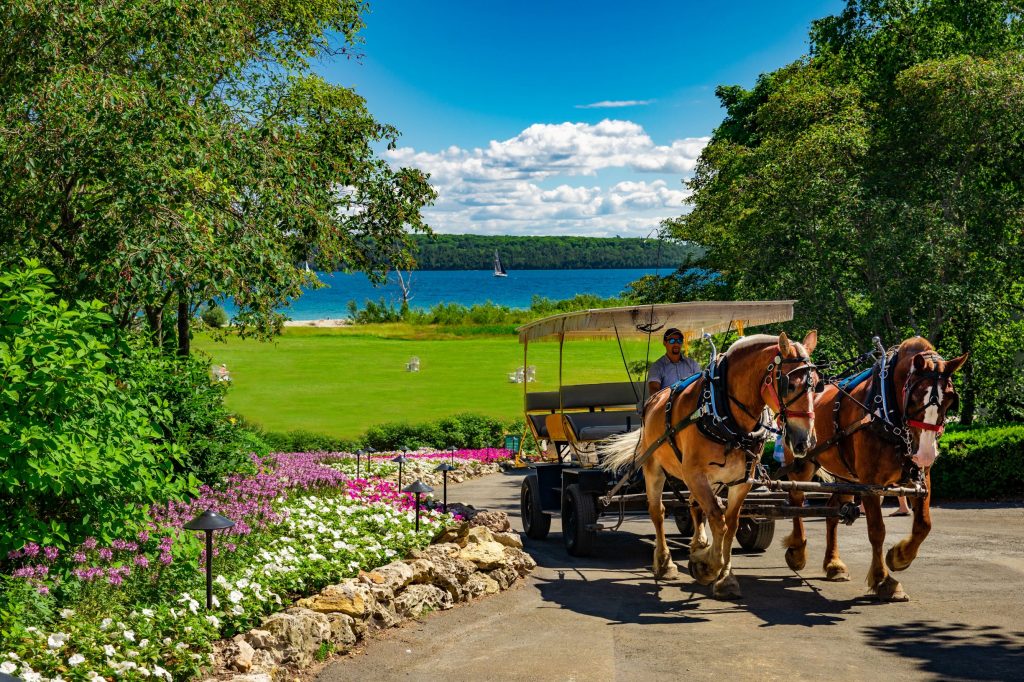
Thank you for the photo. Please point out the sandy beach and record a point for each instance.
(326, 322)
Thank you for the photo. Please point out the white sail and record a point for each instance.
(499, 271)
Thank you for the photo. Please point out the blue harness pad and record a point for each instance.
(683, 384)
(850, 383)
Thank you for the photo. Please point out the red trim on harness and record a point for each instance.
(768, 383)
(938, 428)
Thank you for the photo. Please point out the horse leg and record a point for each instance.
(706, 561)
(904, 552)
(835, 569)
(796, 542)
(727, 587)
(881, 583)
(654, 478)
(700, 534)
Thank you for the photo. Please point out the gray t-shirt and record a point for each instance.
(666, 372)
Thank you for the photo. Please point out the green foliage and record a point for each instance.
(21, 603)
(214, 316)
(79, 454)
(980, 463)
(457, 431)
(157, 155)
(476, 252)
(878, 181)
(307, 441)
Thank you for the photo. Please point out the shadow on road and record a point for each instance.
(954, 650)
(621, 600)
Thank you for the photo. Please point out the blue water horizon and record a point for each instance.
(466, 287)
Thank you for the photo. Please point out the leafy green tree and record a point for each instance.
(880, 180)
(159, 155)
(79, 455)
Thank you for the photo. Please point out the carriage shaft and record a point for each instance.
(847, 488)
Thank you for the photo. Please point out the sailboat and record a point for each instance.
(498, 270)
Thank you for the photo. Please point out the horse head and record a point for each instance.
(796, 380)
(927, 395)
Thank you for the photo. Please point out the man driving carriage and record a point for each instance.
(673, 366)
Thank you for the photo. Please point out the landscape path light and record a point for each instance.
(208, 522)
(452, 451)
(444, 468)
(418, 488)
(369, 460)
(400, 460)
(359, 457)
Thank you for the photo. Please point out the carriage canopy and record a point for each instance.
(691, 318)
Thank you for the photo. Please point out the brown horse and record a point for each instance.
(924, 392)
(755, 379)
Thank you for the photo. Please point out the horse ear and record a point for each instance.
(956, 363)
(811, 340)
(919, 362)
(784, 345)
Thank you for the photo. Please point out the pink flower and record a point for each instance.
(90, 543)
(50, 553)
(141, 561)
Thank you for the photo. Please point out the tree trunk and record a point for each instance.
(155, 319)
(184, 343)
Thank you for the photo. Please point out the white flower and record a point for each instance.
(235, 596)
(212, 620)
(106, 623)
(148, 613)
(129, 635)
(221, 580)
(31, 677)
(144, 643)
(67, 613)
(8, 668)
(94, 676)
(237, 610)
(214, 601)
(32, 628)
(180, 645)
(108, 650)
(160, 672)
(57, 640)
(144, 672)
(193, 606)
(131, 653)
(13, 656)
(242, 583)
(76, 659)
(167, 641)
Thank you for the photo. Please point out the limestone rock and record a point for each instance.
(478, 535)
(256, 677)
(349, 597)
(519, 560)
(450, 571)
(260, 639)
(480, 584)
(342, 631)
(496, 521)
(422, 570)
(484, 555)
(415, 598)
(456, 534)
(299, 633)
(238, 655)
(508, 539)
(394, 576)
(505, 576)
(383, 617)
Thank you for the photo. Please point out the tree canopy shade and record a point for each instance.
(158, 155)
(880, 181)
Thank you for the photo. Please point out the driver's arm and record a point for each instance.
(653, 387)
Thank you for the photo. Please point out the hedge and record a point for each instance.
(980, 463)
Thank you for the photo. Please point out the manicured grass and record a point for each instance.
(340, 381)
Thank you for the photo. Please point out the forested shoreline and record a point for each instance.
(476, 252)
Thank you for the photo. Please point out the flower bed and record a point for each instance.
(133, 609)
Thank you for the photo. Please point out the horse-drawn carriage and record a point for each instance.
(613, 448)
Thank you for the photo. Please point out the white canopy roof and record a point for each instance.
(634, 321)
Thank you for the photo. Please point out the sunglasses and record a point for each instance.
(673, 340)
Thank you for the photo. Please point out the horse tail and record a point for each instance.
(620, 450)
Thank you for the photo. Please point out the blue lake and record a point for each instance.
(459, 286)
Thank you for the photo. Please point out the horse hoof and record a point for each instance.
(727, 589)
(890, 590)
(701, 572)
(796, 559)
(893, 563)
(669, 572)
(837, 573)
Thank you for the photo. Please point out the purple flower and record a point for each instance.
(80, 557)
(90, 543)
(31, 549)
(115, 579)
(43, 589)
(143, 536)
(106, 554)
(50, 553)
(141, 560)
(165, 559)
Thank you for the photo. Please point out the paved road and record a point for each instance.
(606, 618)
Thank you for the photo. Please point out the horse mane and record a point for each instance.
(916, 343)
(752, 340)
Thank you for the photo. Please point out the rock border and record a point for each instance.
(480, 557)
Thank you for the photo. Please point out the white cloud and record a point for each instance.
(616, 103)
(530, 183)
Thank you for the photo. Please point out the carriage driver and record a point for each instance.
(673, 365)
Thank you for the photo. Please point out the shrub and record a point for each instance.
(980, 463)
(307, 441)
(79, 455)
(214, 316)
(457, 431)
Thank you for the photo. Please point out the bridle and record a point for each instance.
(777, 383)
(914, 379)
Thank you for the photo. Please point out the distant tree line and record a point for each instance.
(476, 252)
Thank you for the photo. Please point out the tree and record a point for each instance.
(159, 155)
(879, 180)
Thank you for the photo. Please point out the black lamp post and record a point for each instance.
(359, 457)
(400, 460)
(369, 460)
(444, 468)
(418, 488)
(208, 522)
(452, 451)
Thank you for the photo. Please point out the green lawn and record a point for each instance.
(340, 381)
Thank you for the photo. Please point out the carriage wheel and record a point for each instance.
(536, 523)
(684, 521)
(578, 512)
(756, 534)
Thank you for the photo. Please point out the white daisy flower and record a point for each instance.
(76, 659)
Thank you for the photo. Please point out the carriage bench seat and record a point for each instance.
(594, 426)
(586, 412)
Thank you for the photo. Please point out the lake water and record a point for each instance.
(460, 286)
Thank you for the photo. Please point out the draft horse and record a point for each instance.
(757, 371)
(864, 446)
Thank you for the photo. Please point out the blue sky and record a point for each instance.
(509, 105)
